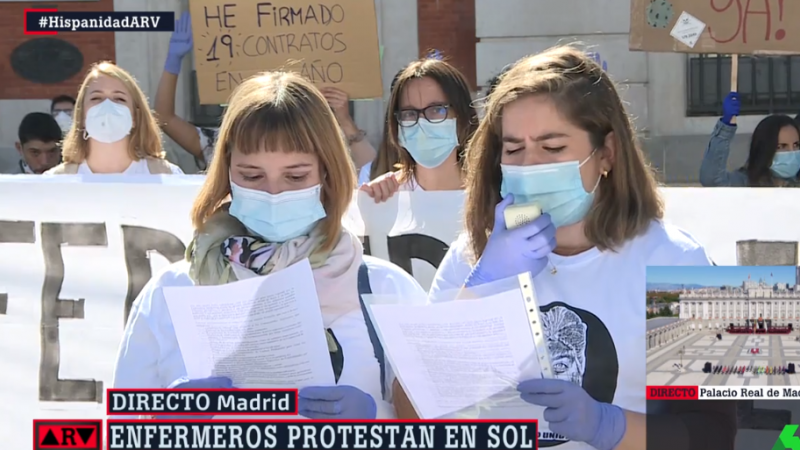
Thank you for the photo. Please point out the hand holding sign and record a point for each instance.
(180, 43)
(338, 101)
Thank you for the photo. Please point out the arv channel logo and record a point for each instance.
(788, 439)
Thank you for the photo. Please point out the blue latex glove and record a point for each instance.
(511, 252)
(180, 43)
(730, 107)
(336, 402)
(574, 414)
(201, 383)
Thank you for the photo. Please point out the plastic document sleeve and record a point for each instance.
(535, 322)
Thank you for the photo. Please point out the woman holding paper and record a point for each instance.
(275, 195)
(556, 136)
(774, 157)
(429, 120)
(114, 131)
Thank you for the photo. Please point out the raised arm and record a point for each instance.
(361, 151)
(179, 130)
(714, 168)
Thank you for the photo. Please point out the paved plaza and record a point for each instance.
(733, 350)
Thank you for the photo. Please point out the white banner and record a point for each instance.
(74, 255)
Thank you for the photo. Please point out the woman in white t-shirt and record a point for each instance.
(556, 135)
(113, 130)
(429, 120)
(275, 194)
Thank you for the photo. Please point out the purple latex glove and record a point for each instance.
(336, 402)
(571, 412)
(730, 108)
(179, 44)
(201, 383)
(512, 252)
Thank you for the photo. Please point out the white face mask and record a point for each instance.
(108, 122)
(64, 121)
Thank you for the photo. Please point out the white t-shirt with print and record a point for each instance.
(597, 300)
(136, 168)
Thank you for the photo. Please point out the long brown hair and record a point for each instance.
(391, 155)
(627, 200)
(279, 111)
(145, 138)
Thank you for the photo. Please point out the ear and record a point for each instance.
(609, 153)
(18, 146)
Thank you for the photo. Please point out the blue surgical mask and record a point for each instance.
(430, 143)
(556, 188)
(786, 164)
(278, 217)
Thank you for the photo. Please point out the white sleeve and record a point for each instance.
(454, 269)
(149, 355)
(675, 247)
(176, 170)
(137, 358)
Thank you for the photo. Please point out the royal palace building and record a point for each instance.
(778, 303)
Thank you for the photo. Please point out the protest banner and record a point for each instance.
(330, 42)
(74, 255)
(715, 26)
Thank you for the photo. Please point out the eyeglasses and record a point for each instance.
(433, 114)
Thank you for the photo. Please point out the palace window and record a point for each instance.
(767, 84)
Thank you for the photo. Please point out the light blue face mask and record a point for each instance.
(786, 164)
(279, 217)
(429, 143)
(556, 188)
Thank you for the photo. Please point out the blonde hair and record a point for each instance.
(145, 138)
(391, 155)
(279, 111)
(627, 200)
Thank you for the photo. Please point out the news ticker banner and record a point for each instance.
(189, 402)
(52, 21)
(723, 392)
(256, 434)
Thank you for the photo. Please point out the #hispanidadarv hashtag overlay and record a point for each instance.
(52, 21)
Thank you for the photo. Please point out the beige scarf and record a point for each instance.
(335, 271)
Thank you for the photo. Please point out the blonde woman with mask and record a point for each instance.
(429, 120)
(276, 194)
(113, 129)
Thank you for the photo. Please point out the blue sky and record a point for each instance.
(720, 275)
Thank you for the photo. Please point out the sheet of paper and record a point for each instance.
(264, 332)
(452, 356)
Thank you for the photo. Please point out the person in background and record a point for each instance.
(38, 143)
(366, 173)
(198, 141)
(275, 195)
(61, 108)
(114, 130)
(430, 119)
(556, 135)
(774, 158)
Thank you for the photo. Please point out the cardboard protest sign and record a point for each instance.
(715, 26)
(330, 42)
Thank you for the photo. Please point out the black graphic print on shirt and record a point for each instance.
(582, 352)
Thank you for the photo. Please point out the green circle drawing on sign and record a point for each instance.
(659, 13)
